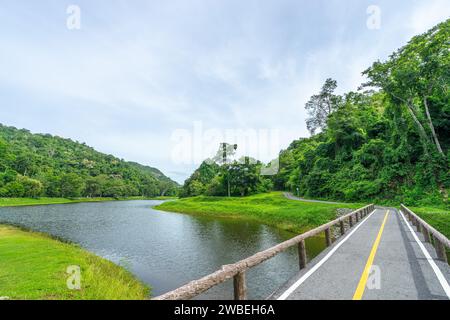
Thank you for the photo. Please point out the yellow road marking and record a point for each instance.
(365, 275)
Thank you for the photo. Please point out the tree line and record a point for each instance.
(388, 141)
(34, 165)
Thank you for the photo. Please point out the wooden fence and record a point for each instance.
(431, 235)
(237, 270)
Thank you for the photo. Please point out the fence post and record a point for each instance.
(356, 216)
(302, 254)
(350, 221)
(426, 234)
(240, 287)
(328, 237)
(440, 249)
(342, 226)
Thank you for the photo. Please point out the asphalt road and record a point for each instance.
(292, 197)
(379, 258)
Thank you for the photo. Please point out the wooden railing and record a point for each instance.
(238, 269)
(431, 235)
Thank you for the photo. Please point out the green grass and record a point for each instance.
(270, 208)
(163, 198)
(438, 218)
(33, 266)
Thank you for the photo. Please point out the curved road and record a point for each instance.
(292, 197)
(382, 257)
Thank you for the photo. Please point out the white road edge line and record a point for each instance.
(291, 289)
(433, 265)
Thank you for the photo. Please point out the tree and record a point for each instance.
(320, 106)
(52, 184)
(12, 189)
(93, 187)
(243, 176)
(148, 188)
(71, 185)
(196, 188)
(3, 153)
(31, 187)
(202, 176)
(48, 158)
(7, 176)
(23, 164)
(416, 76)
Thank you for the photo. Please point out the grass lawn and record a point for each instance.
(33, 266)
(438, 218)
(163, 198)
(270, 208)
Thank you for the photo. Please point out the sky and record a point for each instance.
(163, 82)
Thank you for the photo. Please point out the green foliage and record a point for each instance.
(34, 165)
(320, 106)
(241, 178)
(388, 146)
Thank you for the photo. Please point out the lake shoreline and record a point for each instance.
(27, 202)
(101, 279)
(152, 243)
(106, 272)
(271, 209)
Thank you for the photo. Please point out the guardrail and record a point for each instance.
(431, 235)
(237, 270)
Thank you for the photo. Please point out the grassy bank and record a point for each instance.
(438, 218)
(271, 209)
(33, 266)
(12, 202)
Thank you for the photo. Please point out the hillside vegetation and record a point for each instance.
(388, 145)
(389, 142)
(34, 165)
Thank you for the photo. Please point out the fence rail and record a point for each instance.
(431, 235)
(237, 270)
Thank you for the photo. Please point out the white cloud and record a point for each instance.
(137, 72)
(427, 15)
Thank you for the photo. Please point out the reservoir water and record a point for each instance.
(166, 250)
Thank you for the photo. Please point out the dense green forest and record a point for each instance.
(237, 178)
(389, 141)
(33, 165)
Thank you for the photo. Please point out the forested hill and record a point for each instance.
(34, 165)
(388, 142)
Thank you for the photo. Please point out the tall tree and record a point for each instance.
(321, 105)
(416, 76)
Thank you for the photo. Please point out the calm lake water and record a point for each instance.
(166, 250)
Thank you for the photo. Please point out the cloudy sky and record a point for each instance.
(161, 82)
